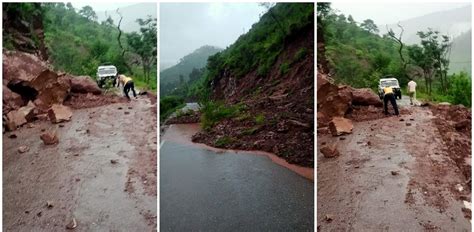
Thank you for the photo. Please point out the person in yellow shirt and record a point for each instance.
(389, 96)
(127, 84)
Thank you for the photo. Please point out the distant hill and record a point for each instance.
(450, 22)
(197, 59)
(461, 54)
(130, 15)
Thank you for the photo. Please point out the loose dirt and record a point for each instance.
(360, 191)
(102, 172)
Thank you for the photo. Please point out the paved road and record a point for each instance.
(77, 174)
(208, 190)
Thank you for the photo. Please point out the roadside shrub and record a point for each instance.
(300, 54)
(223, 141)
(212, 112)
(169, 104)
(460, 90)
(284, 68)
(260, 119)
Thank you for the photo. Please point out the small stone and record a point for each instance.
(369, 143)
(12, 136)
(39, 214)
(126, 112)
(49, 204)
(23, 149)
(72, 225)
(401, 119)
(119, 108)
(61, 125)
(412, 119)
(394, 173)
(329, 151)
(329, 217)
(408, 124)
(49, 138)
(114, 161)
(130, 108)
(342, 138)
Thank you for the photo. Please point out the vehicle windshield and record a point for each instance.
(389, 83)
(107, 70)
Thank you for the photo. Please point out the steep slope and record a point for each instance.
(267, 76)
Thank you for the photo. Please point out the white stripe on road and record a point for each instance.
(161, 144)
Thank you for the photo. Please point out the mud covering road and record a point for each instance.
(102, 172)
(392, 175)
(209, 189)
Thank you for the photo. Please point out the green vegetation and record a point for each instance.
(169, 104)
(223, 141)
(357, 55)
(260, 119)
(213, 112)
(78, 44)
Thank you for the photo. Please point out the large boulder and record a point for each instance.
(333, 100)
(365, 97)
(83, 84)
(11, 100)
(33, 79)
(340, 126)
(21, 66)
(59, 113)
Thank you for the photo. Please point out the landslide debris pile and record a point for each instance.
(275, 107)
(342, 101)
(454, 124)
(32, 90)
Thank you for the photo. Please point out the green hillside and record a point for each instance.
(78, 44)
(178, 74)
(359, 57)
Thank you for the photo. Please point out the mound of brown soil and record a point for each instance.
(454, 125)
(79, 101)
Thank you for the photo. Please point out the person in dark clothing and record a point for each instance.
(389, 96)
(127, 84)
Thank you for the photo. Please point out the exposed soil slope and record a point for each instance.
(284, 100)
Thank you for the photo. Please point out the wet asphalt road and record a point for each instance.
(204, 190)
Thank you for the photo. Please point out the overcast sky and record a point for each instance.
(101, 6)
(184, 27)
(388, 13)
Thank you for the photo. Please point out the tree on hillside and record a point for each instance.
(391, 34)
(88, 13)
(144, 44)
(369, 26)
(431, 56)
(351, 20)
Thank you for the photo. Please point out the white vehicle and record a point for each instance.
(104, 73)
(390, 81)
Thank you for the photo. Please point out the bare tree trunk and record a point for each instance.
(120, 44)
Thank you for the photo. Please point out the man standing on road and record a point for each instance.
(127, 84)
(389, 96)
(411, 90)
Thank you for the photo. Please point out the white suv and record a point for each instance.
(390, 82)
(104, 73)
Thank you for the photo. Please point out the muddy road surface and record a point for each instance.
(209, 189)
(393, 174)
(102, 173)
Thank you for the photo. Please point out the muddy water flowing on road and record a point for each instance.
(207, 189)
(392, 175)
(182, 133)
(102, 172)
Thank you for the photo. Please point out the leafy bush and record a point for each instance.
(213, 112)
(223, 141)
(460, 90)
(169, 104)
(284, 68)
(300, 54)
(260, 119)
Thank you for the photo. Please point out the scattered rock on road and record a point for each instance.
(329, 151)
(339, 126)
(72, 225)
(59, 113)
(394, 173)
(23, 149)
(49, 138)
